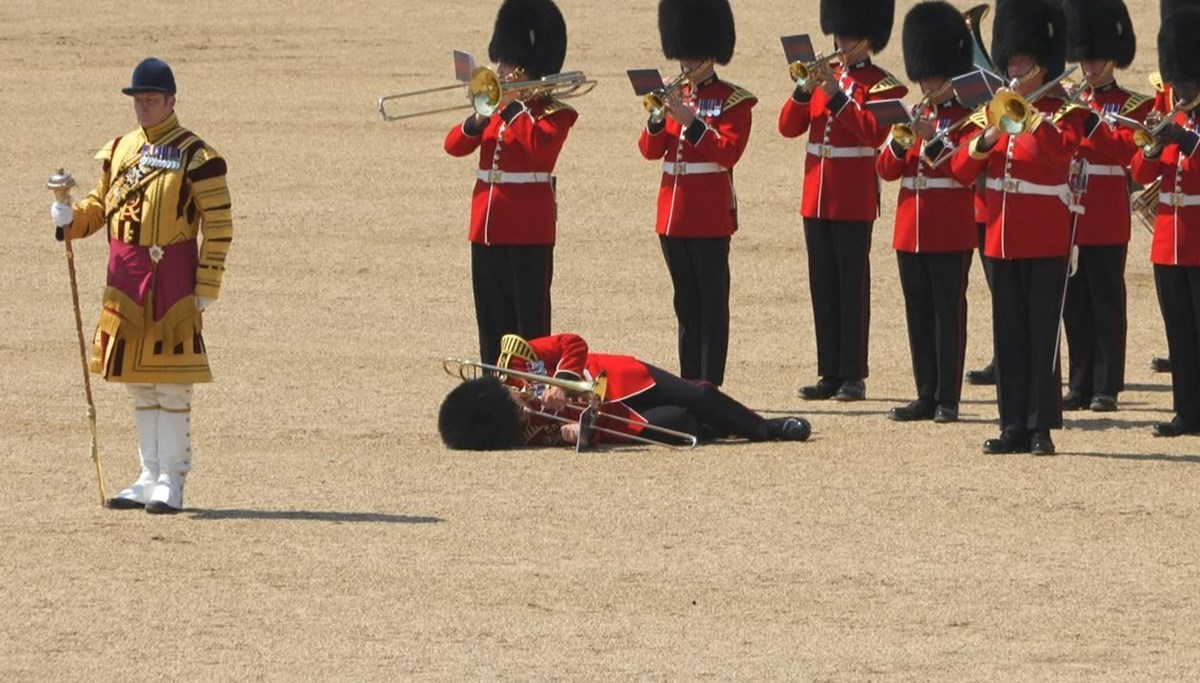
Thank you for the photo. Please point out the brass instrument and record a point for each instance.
(485, 90)
(903, 133)
(1010, 112)
(804, 74)
(974, 18)
(1144, 205)
(586, 401)
(655, 100)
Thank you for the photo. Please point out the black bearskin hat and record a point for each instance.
(1099, 29)
(870, 19)
(1037, 28)
(530, 34)
(696, 29)
(480, 415)
(1178, 60)
(936, 42)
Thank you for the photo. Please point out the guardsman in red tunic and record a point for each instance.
(935, 214)
(699, 138)
(840, 199)
(513, 208)
(482, 414)
(1101, 38)
(1030, 212)
(1175, 251)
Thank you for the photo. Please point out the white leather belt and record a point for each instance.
(496, 177)
(692, 167)
(1178, 199)
(831, 152)
(1105, 169)
(923, 183)
(1014, 186)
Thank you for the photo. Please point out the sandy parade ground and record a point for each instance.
(330, 536)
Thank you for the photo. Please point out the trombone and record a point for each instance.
(804, 73)
(588, 401)
(485, 90)
(655, 101)
(903, 133)
(1010, 111)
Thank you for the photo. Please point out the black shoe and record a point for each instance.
(1041, 444)
(982, 377)
(155, 507)
(1008, 442)
(825, 388)
(789, 429)
(1104, 403)
(851, 390)
(1160, 364)
(123, 504)
(1176, 427)
(945, 414)
(917, 410)
(1076, 400)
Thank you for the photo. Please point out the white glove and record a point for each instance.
(203, 302)
(62, 214)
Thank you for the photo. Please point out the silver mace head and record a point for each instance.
(61, 182)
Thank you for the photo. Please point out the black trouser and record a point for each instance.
(1026, 299)
(699, 268)
(935, 305)
(698, 408)
(839, 280)
(1179, 299)
(512, 293)
(1094, 318)
(981, 231)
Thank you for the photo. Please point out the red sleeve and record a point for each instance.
(1120, 139)
(544, 136)
(888, 165)
(653, 145)
(725, 142)
(1059, 140)
(795, 117)
(859, 121)
(459, 144)
(1144, 171)
(562, 354)
(964, 166)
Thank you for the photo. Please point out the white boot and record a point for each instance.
(174, 451)
(145, 419)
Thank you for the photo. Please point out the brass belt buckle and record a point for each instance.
(680, 168)
(921, 181)
(826, 151)
(1176, 199)
(1011, 184)
(495, 175)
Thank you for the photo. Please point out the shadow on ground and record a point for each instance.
(311, 516)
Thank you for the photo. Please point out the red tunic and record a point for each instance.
(1177, 226)
(1106, 202)
(839, 163)
(935, 212)
(696, 198)
(1028, 197)
(567, 356)
(524, 140)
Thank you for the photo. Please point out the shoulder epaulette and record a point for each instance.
(1135, 100)
(738, 96)
(886, 83)
(106, 152)
(1065, 109)
(1156, 80)
(979, 118)
(553, 105)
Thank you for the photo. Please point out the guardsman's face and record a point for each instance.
(509, 73)
(1021, 66)
(152, 108)
(932, 85)
(1097, 71)
(854, 48)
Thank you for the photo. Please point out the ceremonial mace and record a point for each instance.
(61, 183)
